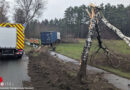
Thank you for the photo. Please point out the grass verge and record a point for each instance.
(115, 71)
(27, 49)
(117, 46)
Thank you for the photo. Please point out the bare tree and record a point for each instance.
(3, 11)
(19, 16)
(28, 9)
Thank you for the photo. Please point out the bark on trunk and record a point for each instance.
(117, 31)
(84, 57)
(82, 71)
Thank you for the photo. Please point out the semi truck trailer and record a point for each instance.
(49, 38)
(11, 39)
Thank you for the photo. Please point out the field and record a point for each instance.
(116, 46)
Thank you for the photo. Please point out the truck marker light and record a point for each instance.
(1, 82)
(1, 79)
(20, 50)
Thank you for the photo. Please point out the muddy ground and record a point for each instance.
(49, 73)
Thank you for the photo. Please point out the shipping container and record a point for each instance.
(48, 38)
(11, 39)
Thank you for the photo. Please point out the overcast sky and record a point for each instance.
(56, 8)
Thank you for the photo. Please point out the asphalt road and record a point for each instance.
(14, 71)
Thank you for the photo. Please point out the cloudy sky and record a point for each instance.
(56, 8)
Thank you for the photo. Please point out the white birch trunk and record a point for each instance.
(117, 31)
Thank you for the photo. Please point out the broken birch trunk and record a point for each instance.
(117, 31)
(84, 58)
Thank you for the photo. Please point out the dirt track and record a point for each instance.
(49, 73)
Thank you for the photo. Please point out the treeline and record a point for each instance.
(74, 24)
(35, 27)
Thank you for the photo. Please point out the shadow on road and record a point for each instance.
(9, 58)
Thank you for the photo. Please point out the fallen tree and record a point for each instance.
(96, 16)
(117, 31)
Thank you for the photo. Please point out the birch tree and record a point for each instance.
(117, 31)
(85, 54)
(96, 17)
